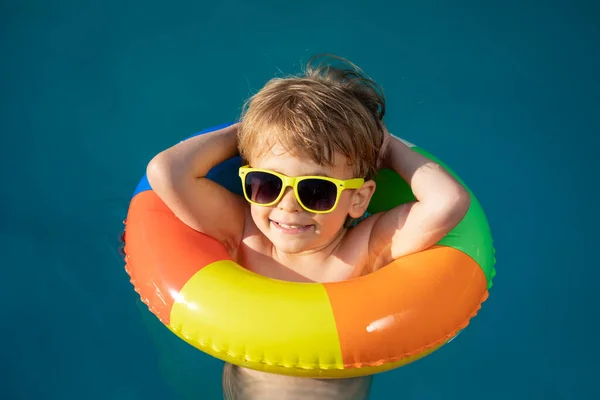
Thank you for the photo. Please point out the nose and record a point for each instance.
(288, 201)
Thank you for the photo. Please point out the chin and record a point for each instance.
(289, 246)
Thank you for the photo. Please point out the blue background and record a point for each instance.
(506, 92)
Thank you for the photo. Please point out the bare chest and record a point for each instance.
(256, 254)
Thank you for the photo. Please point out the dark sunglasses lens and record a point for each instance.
(317, 194)
(262, 187)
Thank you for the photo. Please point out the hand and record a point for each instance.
(382, 158)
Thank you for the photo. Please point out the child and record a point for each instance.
(326, 123)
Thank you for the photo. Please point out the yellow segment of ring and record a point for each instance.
(258, 322)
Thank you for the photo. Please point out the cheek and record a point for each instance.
(332, 221)
(345, 203)
(259, 214)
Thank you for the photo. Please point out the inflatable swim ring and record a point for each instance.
(358, 327)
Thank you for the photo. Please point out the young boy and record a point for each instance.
(326, 123)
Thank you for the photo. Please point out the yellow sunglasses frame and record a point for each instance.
(293, 181)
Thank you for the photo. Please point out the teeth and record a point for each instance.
(290, 226)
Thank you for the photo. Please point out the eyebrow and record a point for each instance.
(320, 174)
(315, 173)
(311, 173)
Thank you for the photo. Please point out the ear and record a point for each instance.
(361, 198)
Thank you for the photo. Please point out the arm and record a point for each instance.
(441, 203)
(177, 175)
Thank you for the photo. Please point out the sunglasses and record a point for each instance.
(315, 194)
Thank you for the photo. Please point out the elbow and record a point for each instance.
(158, 172)
(457, 202)
(442, 194)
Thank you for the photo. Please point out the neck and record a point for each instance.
(309, 259)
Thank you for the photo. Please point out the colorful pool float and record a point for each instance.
(358, 327)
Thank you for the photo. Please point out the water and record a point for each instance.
(506, 93)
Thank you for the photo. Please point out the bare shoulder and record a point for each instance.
(374, 238)
(354, 248)
(254, 247)
(251, 235)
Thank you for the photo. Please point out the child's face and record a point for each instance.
(286, 224)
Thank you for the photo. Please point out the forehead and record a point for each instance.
(297, 163)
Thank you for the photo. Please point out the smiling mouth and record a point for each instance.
(290, 227)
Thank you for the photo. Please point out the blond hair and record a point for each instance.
(326, 110)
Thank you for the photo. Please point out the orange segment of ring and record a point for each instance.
(162, 253)
(407, 307)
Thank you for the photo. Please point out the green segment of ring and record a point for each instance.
(472, 235)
